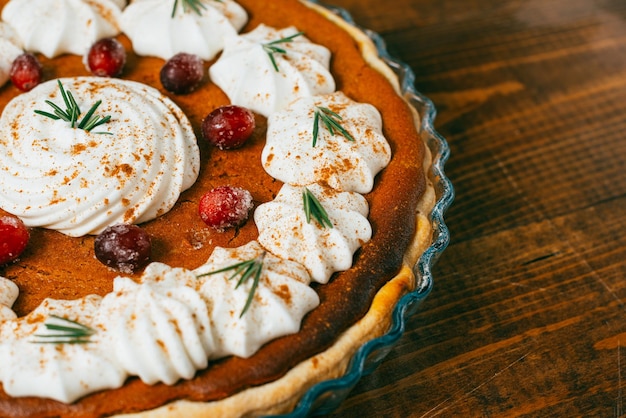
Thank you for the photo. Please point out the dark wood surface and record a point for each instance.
(527, 316)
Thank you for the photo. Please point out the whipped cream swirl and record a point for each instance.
(155, 32)
(78, 182)
(8, 295)
(246, 72)
(281, 300)
(345, 164)
(159, 329)
(55, 27)
(10, 48)
(284, 230)
(56, 371)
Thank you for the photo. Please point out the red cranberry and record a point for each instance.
(124, 247)
(26, 72)
(182, 73)
(228, 127)
(106, 58)
(225, 207)
(14, 237)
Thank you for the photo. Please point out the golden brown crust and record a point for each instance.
(309, 356)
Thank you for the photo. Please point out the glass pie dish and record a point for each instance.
(326, 396)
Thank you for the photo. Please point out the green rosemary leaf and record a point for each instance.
(72, 112)
(48, 115)
(65, 331)
(331, 121)
(63, 341)
(195, 5)
(275, 49)
(314, 209)
(73, 109)
(97, 122)
(90, 121)
(256, 270)
(87, 119)
(174, 8)
(273, 61)
(60, 113)
(228, 268)
(316, 128)
(65, 99)
(249, 269)
(271, 48)
(285, 39)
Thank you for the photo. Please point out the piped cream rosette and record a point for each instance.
(156, 29)
(55, 27)
(10, 49)
(301, 149)
(255, 75)
(131, 169)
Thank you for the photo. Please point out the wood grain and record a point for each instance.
(527, 316)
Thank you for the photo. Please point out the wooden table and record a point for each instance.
(527, 316)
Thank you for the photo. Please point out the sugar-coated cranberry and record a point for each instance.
(14, 237)
(225, 207)
(228, 127)
(182, 73)
(106, 58)
(124, 247)
(26, 72)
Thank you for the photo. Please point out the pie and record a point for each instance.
(189, 334)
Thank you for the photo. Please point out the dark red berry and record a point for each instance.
(225, 207)
(182, 73)
(124, 247)
(228, 127)
(14, 237)
(106, 58)
(26, 71)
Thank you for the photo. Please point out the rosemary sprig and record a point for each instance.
(90, 120)
(65, 331)
(72, 112)
(272, 47)
(313, 208)
(331, 121)
(246, 269)
(194, 5)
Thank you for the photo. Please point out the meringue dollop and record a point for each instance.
(297, 153)
(284, 230)
(154, 31)
(10, 49)
(246, 73)
(131, 169)
(55, 27)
